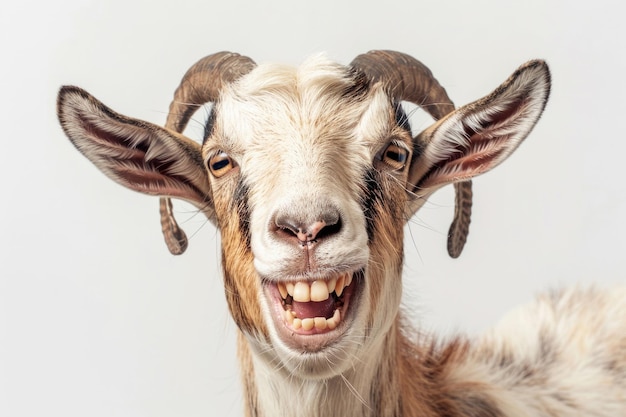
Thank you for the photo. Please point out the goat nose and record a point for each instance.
(324, 225)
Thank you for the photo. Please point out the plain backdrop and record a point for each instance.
(98, 319)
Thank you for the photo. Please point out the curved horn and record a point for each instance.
(406, 78)
(201, 84)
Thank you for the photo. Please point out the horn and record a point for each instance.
(406, 78)
(201, 84)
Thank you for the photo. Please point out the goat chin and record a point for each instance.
(310, 175)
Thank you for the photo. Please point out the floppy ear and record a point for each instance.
(477, 137)
(138, 155)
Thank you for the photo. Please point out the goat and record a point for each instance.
(310, 174)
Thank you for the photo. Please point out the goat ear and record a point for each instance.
(136, 154)
(477, 137)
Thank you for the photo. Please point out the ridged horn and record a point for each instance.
(201, 84)
(407, 79)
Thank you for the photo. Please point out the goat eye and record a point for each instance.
(220, 163)
(395, 156)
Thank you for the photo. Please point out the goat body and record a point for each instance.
(310, 174)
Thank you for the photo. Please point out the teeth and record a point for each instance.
(334, 320)
(308, 324)
(302, 292)
(316, 291)
(331, 284)
(340, 285)
(348, 279)
(320, 323)
(319, 291)
(282, 289)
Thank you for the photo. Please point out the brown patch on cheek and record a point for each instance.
(241, 282)
(386, 244)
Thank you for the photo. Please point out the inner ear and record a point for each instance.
(479, 136)
(482, 142)
(134, 153)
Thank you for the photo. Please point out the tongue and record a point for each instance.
(313, 309)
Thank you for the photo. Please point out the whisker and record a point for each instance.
(355, 392)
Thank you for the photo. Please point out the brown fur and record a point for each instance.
(241, 283)
(320, 132)
(247, 376)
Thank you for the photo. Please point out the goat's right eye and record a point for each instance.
(220, 163)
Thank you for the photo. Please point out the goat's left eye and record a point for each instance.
(220, 163)
(395, 156)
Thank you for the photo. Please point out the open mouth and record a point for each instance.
(310, 314)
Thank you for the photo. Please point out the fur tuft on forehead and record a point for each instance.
(318, 100)
(316, 78)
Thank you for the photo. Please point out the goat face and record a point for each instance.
(310, 175)
(316, 163)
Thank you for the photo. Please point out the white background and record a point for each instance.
(98, 319)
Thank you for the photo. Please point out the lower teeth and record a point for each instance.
(319, 323)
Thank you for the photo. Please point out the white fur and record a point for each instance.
(565, 356)
(300, 146)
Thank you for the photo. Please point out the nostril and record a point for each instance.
(328, 230)
(287, 227)
(325, 225)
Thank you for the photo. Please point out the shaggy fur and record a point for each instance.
(310, 174)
